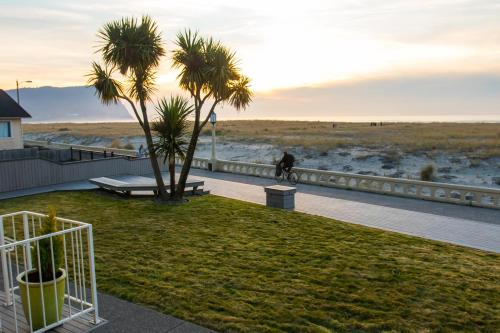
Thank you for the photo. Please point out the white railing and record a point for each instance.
(452, 193)
(20, 239)
(433, 191)
(198, 163)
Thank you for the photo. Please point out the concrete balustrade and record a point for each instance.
(433, 191)
(442, 192)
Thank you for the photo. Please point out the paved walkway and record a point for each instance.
(463, 225)
(127, 317)
(73, 186)
(467, 226)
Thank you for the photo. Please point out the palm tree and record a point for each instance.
(209, 72)
(134, 49)
(171, 129)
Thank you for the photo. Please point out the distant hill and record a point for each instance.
(68, 104)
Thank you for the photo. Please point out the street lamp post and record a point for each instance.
(213, 120)
(17, 88)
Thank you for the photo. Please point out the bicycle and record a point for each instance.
(291, 176)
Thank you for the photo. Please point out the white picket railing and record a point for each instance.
(20, 238)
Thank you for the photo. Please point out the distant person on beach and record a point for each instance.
(141, 151)
(287, 161)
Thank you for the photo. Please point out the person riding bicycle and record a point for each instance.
(286, 162)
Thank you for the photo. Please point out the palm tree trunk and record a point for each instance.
(152, 155)
(171, 170)
(186, 166)
(156, 168)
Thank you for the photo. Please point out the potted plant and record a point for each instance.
(49, 285)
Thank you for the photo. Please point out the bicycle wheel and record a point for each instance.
(279, 178)
(293, 178)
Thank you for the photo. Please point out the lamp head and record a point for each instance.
(213, 118)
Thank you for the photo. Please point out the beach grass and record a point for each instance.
(240, 267)
(475, 140)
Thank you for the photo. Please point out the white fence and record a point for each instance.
(459, 194)
(20, 239)
(433, 191)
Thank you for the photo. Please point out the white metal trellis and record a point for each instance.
(20, 235)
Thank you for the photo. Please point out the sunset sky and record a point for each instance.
(282, 44)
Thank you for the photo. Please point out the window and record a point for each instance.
(5, 129)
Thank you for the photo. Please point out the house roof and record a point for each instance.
(9, 107)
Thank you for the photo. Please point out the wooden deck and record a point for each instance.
(83, 323)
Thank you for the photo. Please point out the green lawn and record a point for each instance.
(239, 267)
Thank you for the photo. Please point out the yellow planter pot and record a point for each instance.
(53, 309)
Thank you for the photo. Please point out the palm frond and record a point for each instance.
(131, 45)
(171, 126)
(107, 89)
(240, 93)
(189, 57)
(206, 64)
(142, 85)
(222, 70)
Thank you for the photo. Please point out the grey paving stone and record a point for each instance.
(189, 328)
(73, 186)
(467, 226)
(124, 316)
(444, 209)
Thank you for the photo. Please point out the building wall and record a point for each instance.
(16, 139)
(34, 172)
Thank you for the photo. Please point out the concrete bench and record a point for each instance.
(279, 196)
